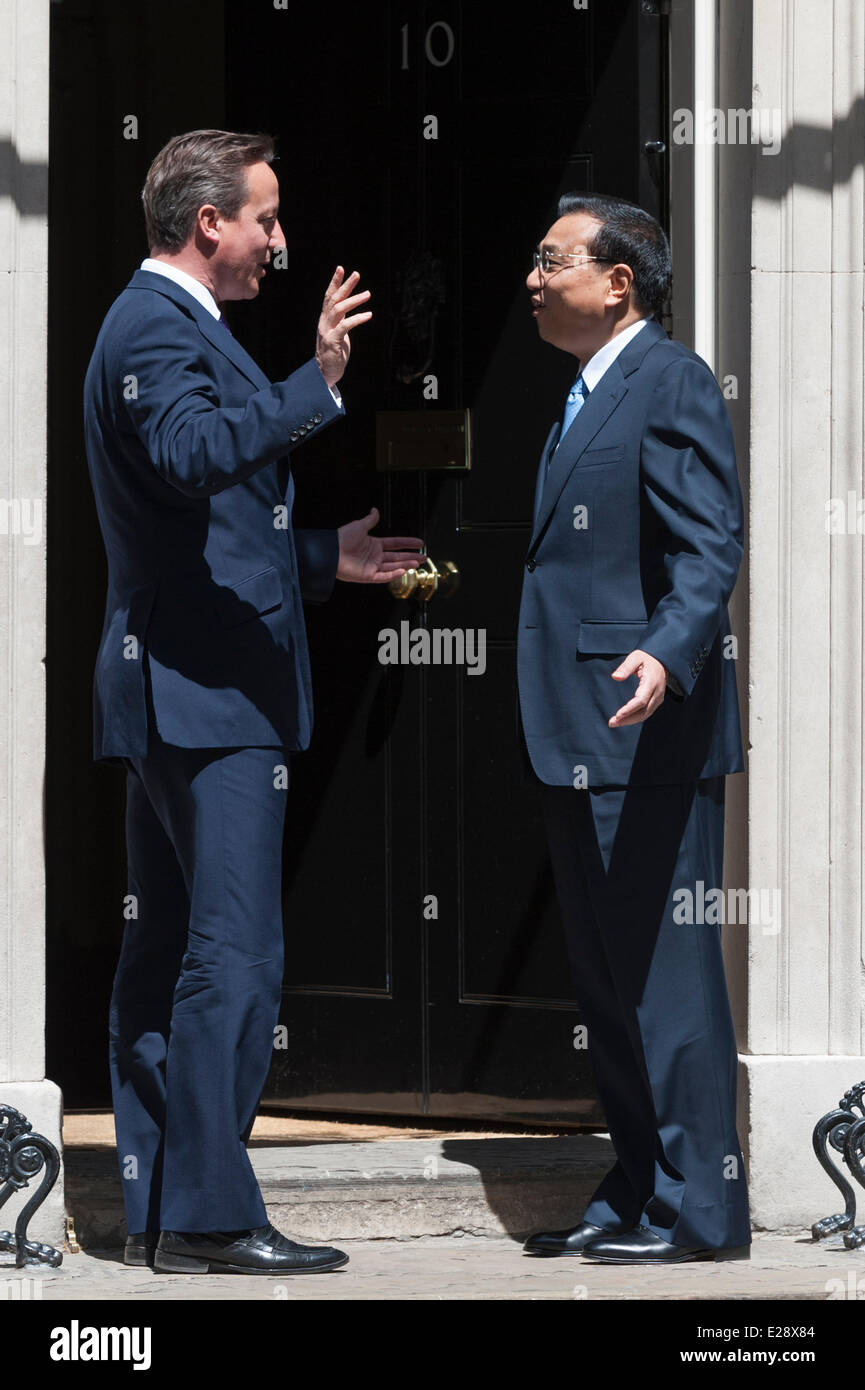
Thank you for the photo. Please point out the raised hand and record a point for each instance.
(332, 343)
(366, 559)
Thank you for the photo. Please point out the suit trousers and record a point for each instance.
(652, 993)
(197, 989)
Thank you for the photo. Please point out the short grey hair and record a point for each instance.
(202, 166)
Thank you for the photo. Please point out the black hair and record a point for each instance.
(632, 236)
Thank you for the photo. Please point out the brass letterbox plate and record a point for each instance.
(417, 440)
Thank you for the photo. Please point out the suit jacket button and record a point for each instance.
(317, 419)
(531, 565)
(293, 437)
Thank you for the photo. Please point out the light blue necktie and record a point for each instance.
(574, 404)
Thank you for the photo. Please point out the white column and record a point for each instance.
(704, 222)
(804, 1042)
(24, 45)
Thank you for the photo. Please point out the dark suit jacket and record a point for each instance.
(187, 444)
(651, 459)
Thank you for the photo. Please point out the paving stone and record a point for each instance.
(782, 1267)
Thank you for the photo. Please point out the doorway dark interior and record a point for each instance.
(425, 145)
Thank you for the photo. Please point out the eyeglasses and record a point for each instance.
(545, 262)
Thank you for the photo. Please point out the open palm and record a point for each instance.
(366, 559)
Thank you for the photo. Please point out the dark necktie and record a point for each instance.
(224, 323)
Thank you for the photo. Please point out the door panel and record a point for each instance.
(425, 966)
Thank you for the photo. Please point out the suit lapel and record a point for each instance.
(594, 415)
(215, 333)
(542, 469)
(606, 397)
(223, 341)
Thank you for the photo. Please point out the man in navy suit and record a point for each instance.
(202, 689)
(629, 721)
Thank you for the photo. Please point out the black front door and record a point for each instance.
(426, 144)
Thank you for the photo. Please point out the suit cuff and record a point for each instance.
(317, 561)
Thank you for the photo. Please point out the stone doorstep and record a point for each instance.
(384, 1190)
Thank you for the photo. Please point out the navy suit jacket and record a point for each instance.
(187, 447)
(650, 563)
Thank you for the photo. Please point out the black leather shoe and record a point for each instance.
(644, 1247)
(563, 1242)
(140, 1248)
(263, 1250)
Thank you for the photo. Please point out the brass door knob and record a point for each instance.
(427, 580)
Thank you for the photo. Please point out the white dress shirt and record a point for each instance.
(606, 356)
(186, 282)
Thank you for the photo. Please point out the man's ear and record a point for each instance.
(206, 223)
(620, 283)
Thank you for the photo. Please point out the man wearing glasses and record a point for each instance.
(630, 722)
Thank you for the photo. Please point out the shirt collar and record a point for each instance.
(605, 356)
(186, 282)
